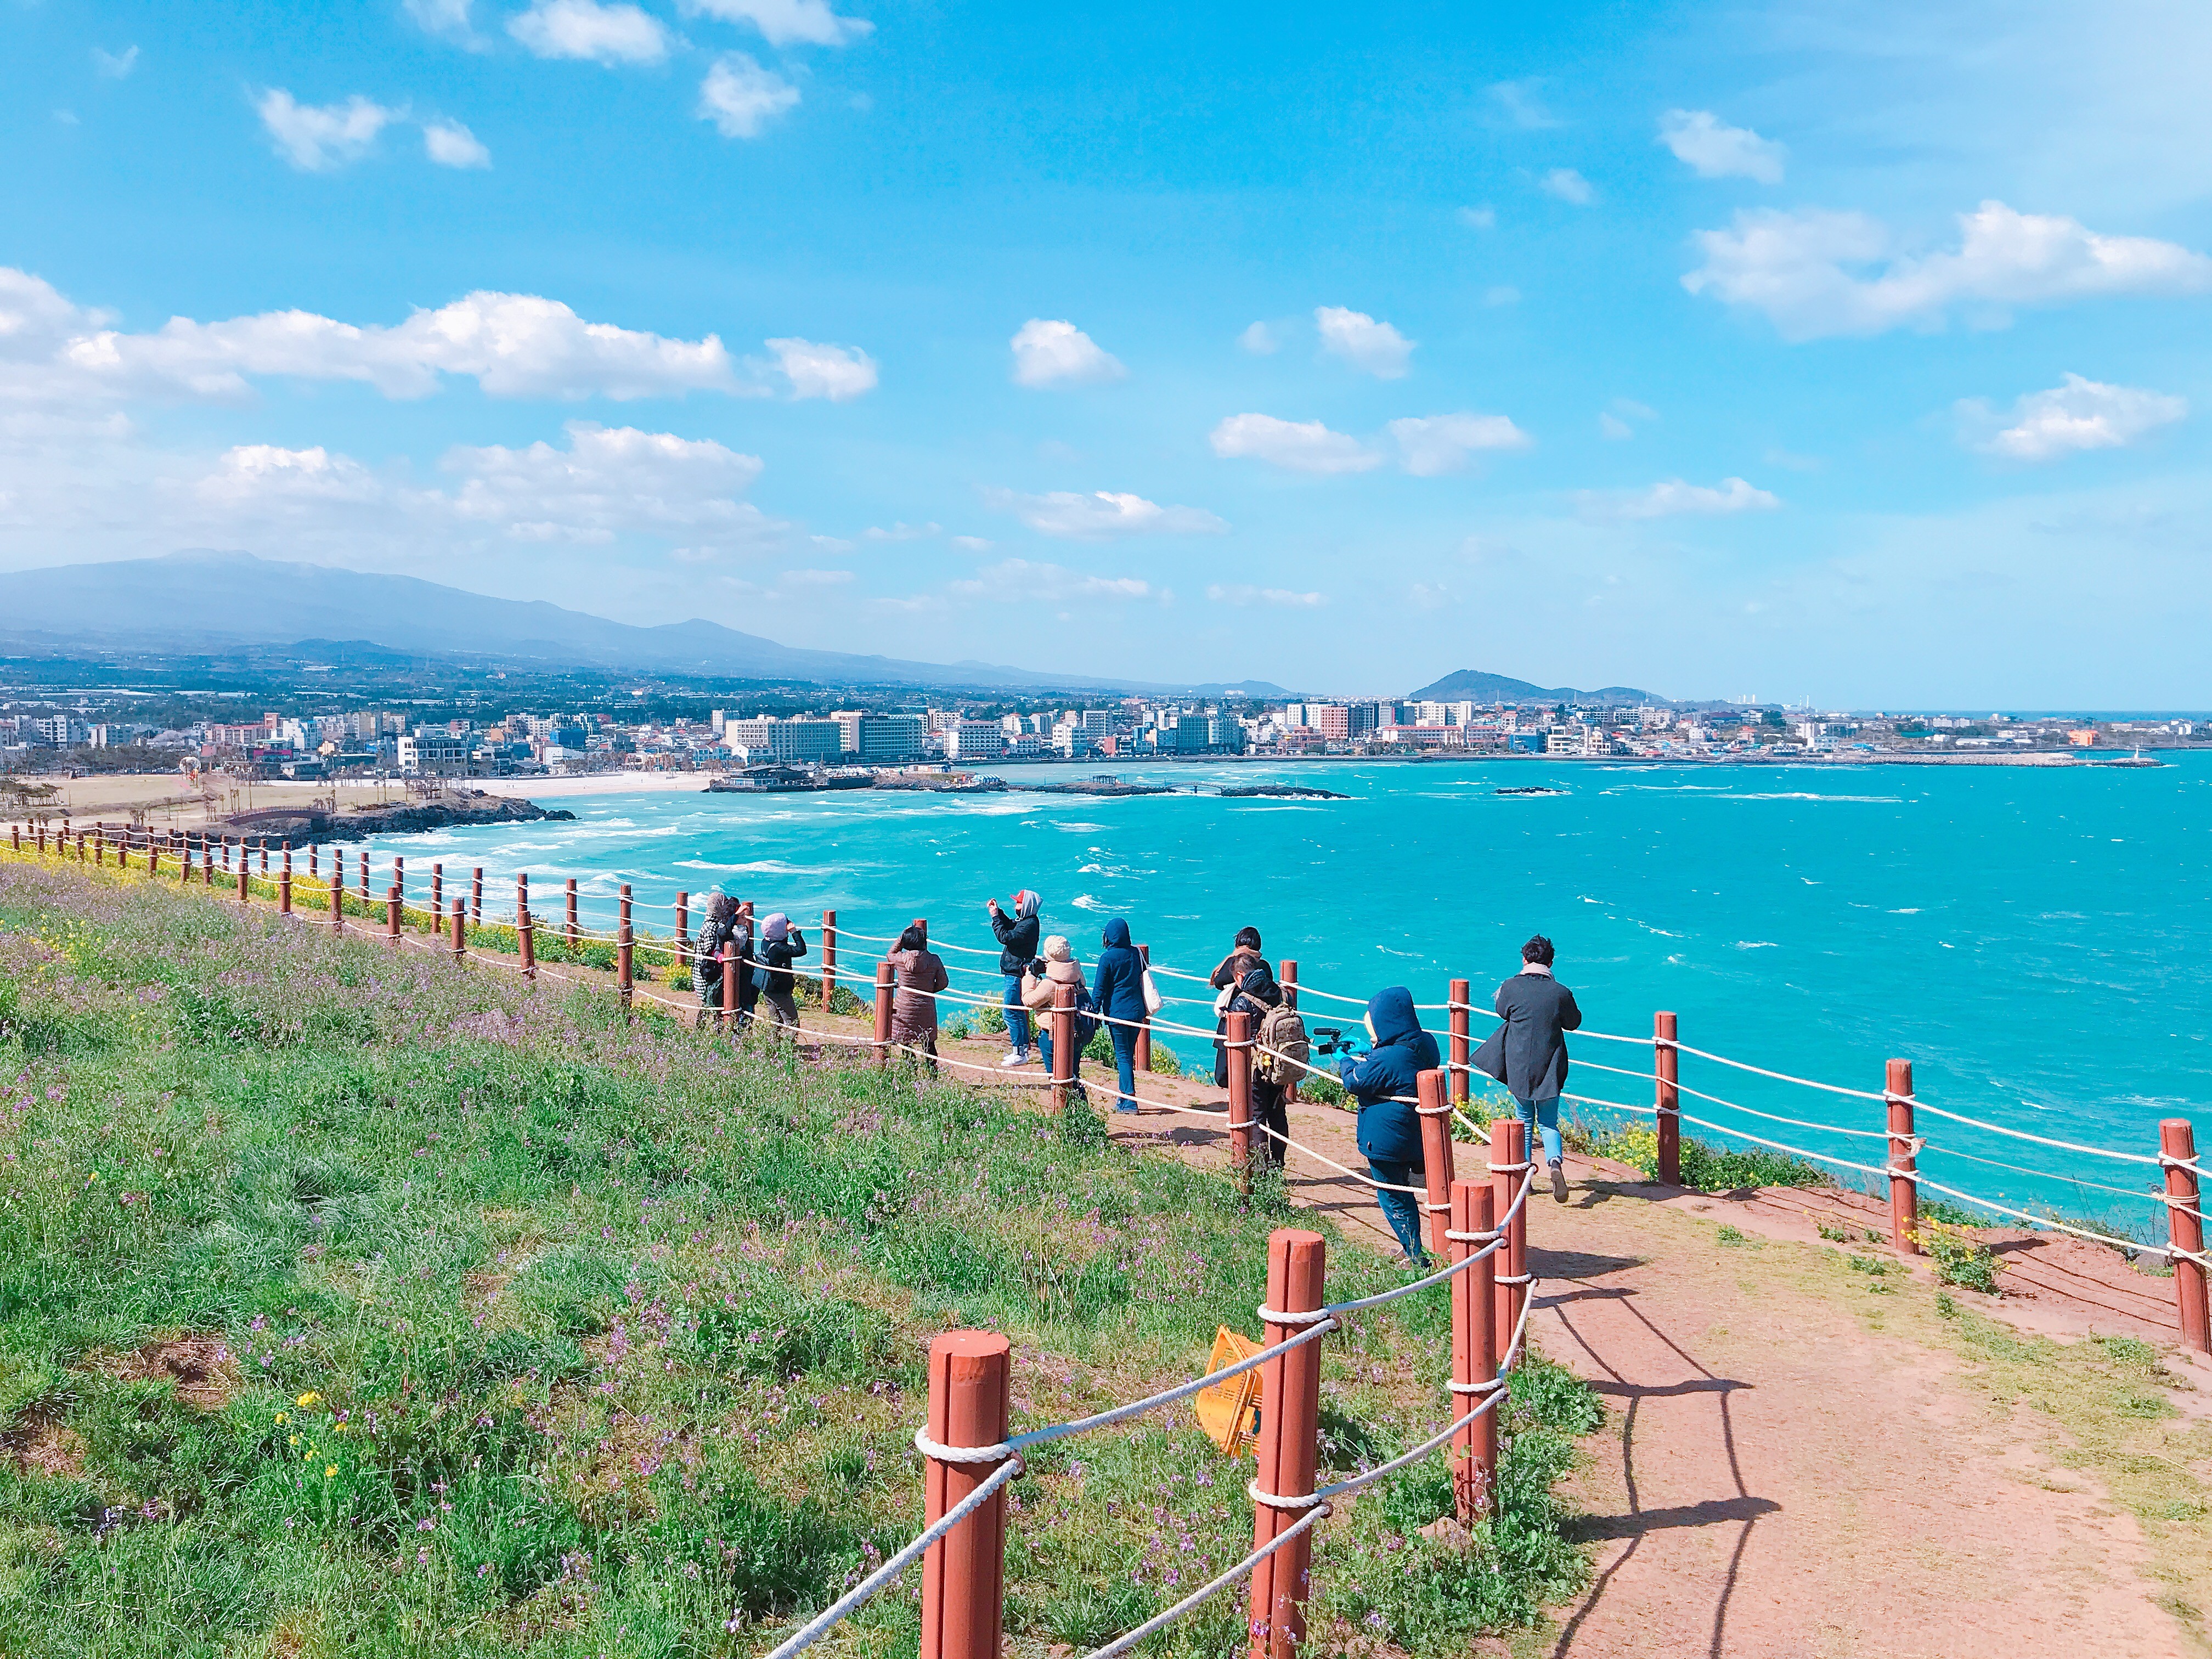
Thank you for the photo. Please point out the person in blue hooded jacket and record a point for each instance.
(1118, 992)
(1389, 1128)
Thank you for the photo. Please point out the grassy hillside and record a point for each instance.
(358, 1303)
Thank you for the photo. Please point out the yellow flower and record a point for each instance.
(340, 1428)
(295, 1440)
(330, 1471)
(280, 1417)
(308, 1399)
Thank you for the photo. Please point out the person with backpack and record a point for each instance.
(1243, 956)
(1041, 984)
(919, 972)
(1018, 947)
(1118, 991)
(1383, 1080)
(780, 945)
(1528, 1053)
(707, 964)
(1278, 1044)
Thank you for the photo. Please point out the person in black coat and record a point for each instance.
(1018, 936)
(780, 945)
(1385, 1081)
(1528, 1051)
(1118, 989)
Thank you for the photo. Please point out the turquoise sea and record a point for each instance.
(2037, 942)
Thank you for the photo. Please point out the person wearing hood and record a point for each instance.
(780, 945)
(1528, 1053)
(744, 963)
(1257, 995)
(1119, 992)
(1018, 947)
(920, 975)
(1041, 983)
(715, 930)
(1384, 1081)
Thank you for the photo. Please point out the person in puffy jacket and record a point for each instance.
(1041, 983)
(1118, 989)
(1018, 947)
(780, 945)
(919, 974)
(1383, 1080)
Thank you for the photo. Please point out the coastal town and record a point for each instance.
(309, 742)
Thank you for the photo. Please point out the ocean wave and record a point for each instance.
(1757, 945)
(1909, 910)
(764, 868)
(1097, 906)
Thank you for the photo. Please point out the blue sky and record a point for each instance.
(1827, 351)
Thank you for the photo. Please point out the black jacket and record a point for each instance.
(1018, 941)
(776, 956)
(1384, 1080)
(1528, 1051)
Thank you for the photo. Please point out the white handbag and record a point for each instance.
(1152, 994)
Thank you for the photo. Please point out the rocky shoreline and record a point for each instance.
(302, 824)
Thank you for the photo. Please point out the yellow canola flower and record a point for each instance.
(294, 1441)
(340, 1428)
(330, 1471)
(280, 1418)
(308, 1399)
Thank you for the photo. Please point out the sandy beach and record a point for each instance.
(173, 799)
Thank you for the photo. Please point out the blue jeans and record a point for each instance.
(1018, 1018)
(1125, 1063)
(1044, 1053)
(1540, 1117)
(1401, 1210)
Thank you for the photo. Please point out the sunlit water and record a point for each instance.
(2038, 943)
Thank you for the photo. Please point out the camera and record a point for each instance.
(1329, 1040)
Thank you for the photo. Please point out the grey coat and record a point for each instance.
(1528, 1051)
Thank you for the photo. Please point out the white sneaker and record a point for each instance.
(1012, 1061)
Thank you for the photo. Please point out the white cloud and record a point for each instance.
(450, 144)
(1259, 340)
(1048, 353)
(1479, 218)
(1300, 445)
(1102, 514)
(1517, 102)
(815, 370)
(600, 34)
(1244, 597)
(783, 22)
(1568, 185)
(115, 66)
(447, 19)
(973, 543)
(1713, 151)
(815, 578)
(54, 353)
(1610, 425)
(1372, 347)
(1799, 268)
(1052, 583)
(739, 96)
(1431, 596)
(1674, 496)
(1435, 444)
(251, 472)
(316, 138)
(2080, 414)
(901, 531)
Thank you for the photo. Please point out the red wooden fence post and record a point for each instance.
(476, 898)
(729, 988)
(399, 876)
(1509, 1162)
(437, 893)
(828, 958)
(337, 904)
(1435, 1112)
(460, 928)
(392, 916)
(1462, 1081)
(573, 930)
(364, 880)
(1238, 1051)
(963, 1573)
(1063, 1046)
(314, 861)
(882, 1014)
(1142, 1059)
(242, 880)
(1474, 1351)
(1667, 1066)
(284, 889)
(2185, 1228)
(625, 960)
(1286, 1444)
(684, 927)
(525, 939)
(1903, 1191)
(264, 855)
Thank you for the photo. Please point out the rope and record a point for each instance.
(1160, 1621)
(822, 1623)
(2021, 1134)
(1802, 1082)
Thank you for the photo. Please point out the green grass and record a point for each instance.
(1705, 1168)
(354, 1303)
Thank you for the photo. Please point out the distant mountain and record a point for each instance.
(200, 600)
(1472, 685)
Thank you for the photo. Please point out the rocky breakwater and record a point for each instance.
(319, 823)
